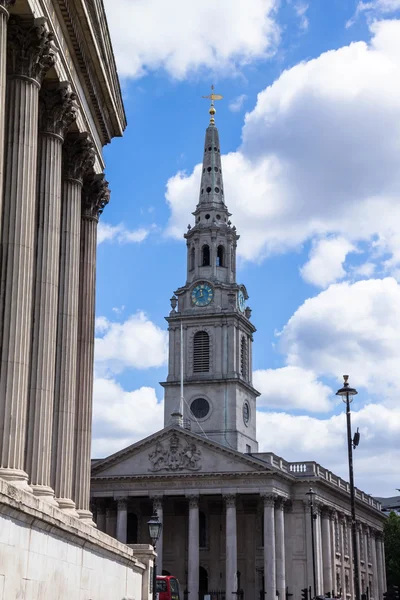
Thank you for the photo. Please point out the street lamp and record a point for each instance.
(347, 393)
(313, 516)
(155, 526)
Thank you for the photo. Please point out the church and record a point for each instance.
(235, 520)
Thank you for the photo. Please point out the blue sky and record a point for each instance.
(310, 140)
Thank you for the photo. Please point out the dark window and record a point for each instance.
(201, 352)
(161, 585)
(248, 449)
(200, 408)
(174, 586)
(132, 529)
(246, 413)
(220, 256)
(206, 256)
(216, 190)
(208, 169)
(203, 581)
(202, 530)
(192, 258)
(208, 190)
(243, 357)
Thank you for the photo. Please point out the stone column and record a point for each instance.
(230, 547)
(101, 514)
(29, 57)
(280, 548)
(122, 519)
(4, 4)
(78, 157)
(193, 545)
(380, 567)
(375, 581)
(327, 552)
(332, 518)
(57, 112)
(318, 548)
(95, 196)
(269, 546)
(158, 509)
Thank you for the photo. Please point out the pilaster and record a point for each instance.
(94, 198)
(29, 56)
(57, 112)
(78, 157)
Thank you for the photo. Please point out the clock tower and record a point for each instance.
(210, 333)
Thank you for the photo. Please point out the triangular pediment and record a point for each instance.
(175, 451)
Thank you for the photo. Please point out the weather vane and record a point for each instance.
(212, 110)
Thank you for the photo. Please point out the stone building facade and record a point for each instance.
(60, 103)
(233, 518)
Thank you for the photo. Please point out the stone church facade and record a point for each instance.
(234, 519)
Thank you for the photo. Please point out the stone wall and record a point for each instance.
(47, 555)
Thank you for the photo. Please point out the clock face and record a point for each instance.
(202, 294)
(241, 301)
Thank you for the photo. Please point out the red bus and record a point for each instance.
(168, 588)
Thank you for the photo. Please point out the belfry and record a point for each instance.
(219, 399)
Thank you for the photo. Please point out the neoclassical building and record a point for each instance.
(234, 519)
(60, 103)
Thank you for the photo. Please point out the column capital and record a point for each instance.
(269, 499)
(96, 195)
(230, 500)
(193, 500)
(30, 52)
(122, 503)
(157, 503)
(57, 108)
(4, 5)
(78, 156)
(280, 502)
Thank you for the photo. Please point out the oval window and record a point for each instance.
(246, 413)
(200, 408)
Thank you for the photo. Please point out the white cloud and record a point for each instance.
(120, 234)
(237, 103)
(350, 328)
(319, 155)
(326, 261)
(293, 388)
(183, 37)
(136, 343)
(301, 9)
(302, 438)
(122, 417)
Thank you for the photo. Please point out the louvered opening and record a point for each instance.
(201, 352)
(243, 357)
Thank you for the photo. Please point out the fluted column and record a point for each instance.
(375, 580)
(78, 157)
(327, 552)
(230, 547)
(280, 548)
(122, 519)
(95, 196)
(29, 56)
(193, 545)
(269, 546)
(4, 4)
(158, 510)
(380, 567)
(57, 111)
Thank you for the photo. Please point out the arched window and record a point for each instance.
(205, 256)
(201, 352)
(220, 256)
(243, 357)
(202, 530)
(192, 258)
(132, 529)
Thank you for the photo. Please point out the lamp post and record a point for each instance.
(154, 531)
(313, 516)
(347, 393)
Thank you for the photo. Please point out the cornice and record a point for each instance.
(206, 382)
(209, 314)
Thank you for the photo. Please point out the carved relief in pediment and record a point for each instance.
(175, 456)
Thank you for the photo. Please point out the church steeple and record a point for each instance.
(210, 332)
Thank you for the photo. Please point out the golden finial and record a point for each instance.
(212, 110)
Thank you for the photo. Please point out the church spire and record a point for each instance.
(211, 187)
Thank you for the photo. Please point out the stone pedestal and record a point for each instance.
(95, 196)
(269, 546)
(231, 548)
(57, 112)
(29, 57)
(193, 546)
(78, 157)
